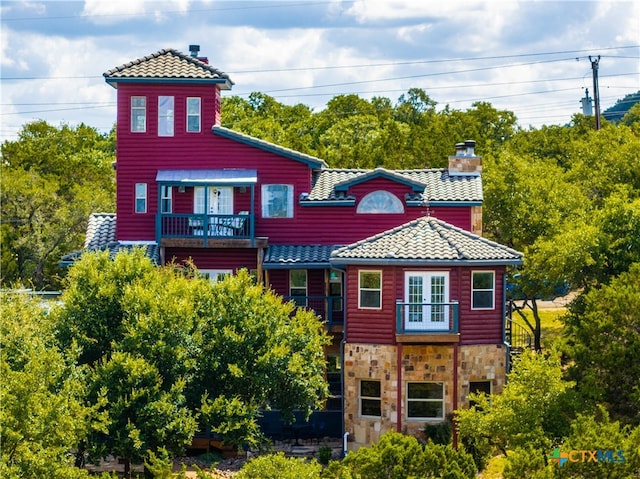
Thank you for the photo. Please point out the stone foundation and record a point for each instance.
(419, 363)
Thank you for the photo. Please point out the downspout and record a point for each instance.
(343, 341)
(399, 389)
(455, 394)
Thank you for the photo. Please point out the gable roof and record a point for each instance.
(426, 240)
(168, 65)
(437, 186)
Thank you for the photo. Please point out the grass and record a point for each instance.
(549, 323)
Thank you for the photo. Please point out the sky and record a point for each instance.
(534, 58)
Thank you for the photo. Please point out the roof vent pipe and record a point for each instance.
(470, 146)
(460, 149)
(194, 50)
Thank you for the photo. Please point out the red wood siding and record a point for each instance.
(229, 258)
(141, 155)
(279, 282)
(476, 326)
(481, 326)
(370, 325)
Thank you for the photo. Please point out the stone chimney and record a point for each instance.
(465, 162)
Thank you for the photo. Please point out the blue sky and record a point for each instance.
(529, 57)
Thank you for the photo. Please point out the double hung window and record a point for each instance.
(370, 398)
(138, 114)
(193, 115)
(298, 286)
(425, 401)
(141, 197)
(483, 290)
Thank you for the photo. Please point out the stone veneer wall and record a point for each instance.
(419, 363)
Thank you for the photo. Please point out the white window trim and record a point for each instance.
(166, 197)
(144, 116)
(372, 398)
(166, 128)
(369, 289)
(441, 401)
(306, 287)
(380, 202)
(265, 198)
(493, 291)
(140, 197)
(189, 115)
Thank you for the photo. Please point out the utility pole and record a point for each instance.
(596, 93)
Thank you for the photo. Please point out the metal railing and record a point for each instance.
(204, 226)
(426, 318)
(329, 308)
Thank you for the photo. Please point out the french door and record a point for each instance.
(427, 297)
(216, 201)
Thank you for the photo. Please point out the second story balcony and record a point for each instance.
(427, 322)
(205, 230)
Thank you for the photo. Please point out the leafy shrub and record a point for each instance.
(277, 466)
(324, 454)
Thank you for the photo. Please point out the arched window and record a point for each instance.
(380, 202)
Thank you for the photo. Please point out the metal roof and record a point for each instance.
(218, 177)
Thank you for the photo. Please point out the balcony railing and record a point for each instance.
(329, 308)
(203, 226)
(426, 318)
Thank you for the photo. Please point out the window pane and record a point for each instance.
(381, 202)
(370, 407)
(165, 116)
(425, 409)
(370, 299)
(298, 278)
(138, 114)
(193, 115)
(483, 280)
(370, 388)
(424, 390)
(277, 201)
(483, 299)
(370, 280)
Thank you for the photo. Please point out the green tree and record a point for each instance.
(531, 413)
(43, 416)
(52, 179)
(256, 352)
(603, 334)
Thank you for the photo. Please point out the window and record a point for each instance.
(425, 401)
(298, 286)
(483, 290)
(335, 290)
(479, 387)
(277, 201)
(193, 115)
(370, 290)
(215, 275)
(370, 402)
(165, 116)
(141, 197)
(165, 199)
(334, 401)
(380, 202)
(139, 114)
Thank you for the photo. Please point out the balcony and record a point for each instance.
(427, 322)
(329, 308)
(202, 230)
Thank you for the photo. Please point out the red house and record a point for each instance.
(393, 261)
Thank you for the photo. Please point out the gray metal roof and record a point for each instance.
(168, 65)
(426, 241)
(220, 177)
(301, 256)
(328, 184)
